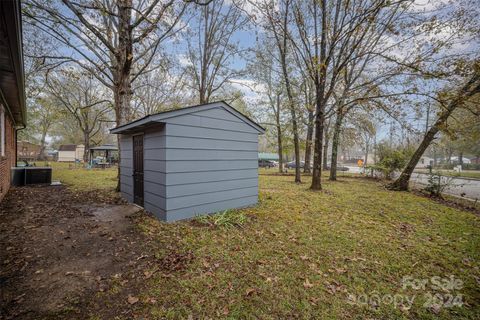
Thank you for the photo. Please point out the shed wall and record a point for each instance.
(126, 166)
(66, 156)
(154, 171)
(197, 163)
(211, 163)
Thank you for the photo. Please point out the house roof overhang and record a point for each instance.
(153, 119)
(12, 85)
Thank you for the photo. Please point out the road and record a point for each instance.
(463, 187)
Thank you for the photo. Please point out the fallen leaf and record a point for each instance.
(132, 300)
(250, 291)
(307, 284)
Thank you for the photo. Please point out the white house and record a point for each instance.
(456, 159)
(424, 162)
(70, 152)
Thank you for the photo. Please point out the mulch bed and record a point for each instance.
(59, 261)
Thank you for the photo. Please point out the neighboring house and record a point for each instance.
(456, 160)
(190, 161)
(28, 151)
(70, 152)
(12, 88)
(424, 162)
(475, 160)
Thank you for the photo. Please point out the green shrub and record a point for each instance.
(391, 159)
(227, 219)
(435, 184)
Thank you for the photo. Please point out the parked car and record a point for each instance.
(339, 168)
(265, 164)
(292, 164)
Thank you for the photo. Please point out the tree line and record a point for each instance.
(324, 72)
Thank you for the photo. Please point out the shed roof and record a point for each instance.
(67, 147)
(158, 117)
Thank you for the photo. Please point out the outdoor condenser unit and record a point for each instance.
(31, 175)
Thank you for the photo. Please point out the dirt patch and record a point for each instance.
(61, 251)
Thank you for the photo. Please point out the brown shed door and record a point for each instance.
(138, 169)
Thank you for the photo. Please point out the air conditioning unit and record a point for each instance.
(22, 176)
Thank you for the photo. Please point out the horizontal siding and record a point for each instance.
(186, 131)
(155, 187)
(200, 154)
(209, 176)
(210, 154)
(154, 154)
(185, 213)
(127, 189)
(205, 198)
(127, 197)
(196, 163)
(199, 143)
(209, 187)
(126, 154)
(153, 142)
(126, 163)
(157, 212)
(154, 176)
(154, 165)
(126, 179)
(209, 165)
(156, 199)
(193, 120)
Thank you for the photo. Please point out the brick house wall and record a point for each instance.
(7, 161)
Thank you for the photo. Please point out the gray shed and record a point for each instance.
(191, 161)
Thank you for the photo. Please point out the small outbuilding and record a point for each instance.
(70, 152)
(191, 161)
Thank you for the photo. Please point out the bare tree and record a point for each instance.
(328, 35)
(265, 70)
(278, 24)
(82, 98)
(212, 47)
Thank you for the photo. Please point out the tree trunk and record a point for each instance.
(320, 99)
(282, 46)
(401, 184)
(279, 135)
(122, 90)
(317, 153)
(41, 153)
(280, 149)
(325, 148)
(308, 143)
(367, 145)
(460, 159)
(472, 87)
(335, 144)
(86, 143)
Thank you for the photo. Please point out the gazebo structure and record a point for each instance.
(108, 151)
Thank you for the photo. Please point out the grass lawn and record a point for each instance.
(78, 178)
(306, 255)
